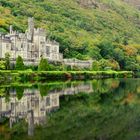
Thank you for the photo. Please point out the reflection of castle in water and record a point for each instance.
(33, 107)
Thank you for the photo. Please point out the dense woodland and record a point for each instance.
(107, 31)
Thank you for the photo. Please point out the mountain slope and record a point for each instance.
(135, 3)
(79, 25)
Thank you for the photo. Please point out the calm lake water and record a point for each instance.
(94, 110)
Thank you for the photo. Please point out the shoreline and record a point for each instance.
(26, 76)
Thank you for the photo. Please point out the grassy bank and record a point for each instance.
(24, 76)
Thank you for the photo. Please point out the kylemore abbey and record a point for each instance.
(32, 45)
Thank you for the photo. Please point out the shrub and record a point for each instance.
(43, 65)
(19, 63)
(2, 65)
(7, 61)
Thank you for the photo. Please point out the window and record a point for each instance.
(36, 55)
(12, 46)
(48, 101)
(55, 49)
(48, 50)
(22, 45)
(7, 46)
(42, 42)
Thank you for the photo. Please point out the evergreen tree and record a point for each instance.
(7, 61)
(43, 65)
(96, 66)
(19, 63)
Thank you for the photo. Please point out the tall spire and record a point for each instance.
(31, 28)
(11, 29)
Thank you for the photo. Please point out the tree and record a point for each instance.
(94, 53)
(19, 63)
(138, 59)
(108, 64)
(119, 56)
(7, 61)
(96, 66)
(131, 64)
(106, 49)
(43, 65)
(2, 65)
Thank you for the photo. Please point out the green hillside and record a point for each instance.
(108, 29)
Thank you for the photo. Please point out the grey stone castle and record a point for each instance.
(32, 45)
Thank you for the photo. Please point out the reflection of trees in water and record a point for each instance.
(105, 86)
(43, 89)
(96, 120)
(124, 93)
(103, 114)
(7, 94)
(125, 90)
(19, 92)
(2, 91)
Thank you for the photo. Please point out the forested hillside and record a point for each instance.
(85, 29)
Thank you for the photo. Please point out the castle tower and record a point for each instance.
(11, 29)
(30, 28)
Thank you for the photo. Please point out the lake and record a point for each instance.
(105, 109)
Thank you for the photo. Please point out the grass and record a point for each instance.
(34, 76)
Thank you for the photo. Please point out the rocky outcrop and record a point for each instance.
(135, 3)
(88, 3)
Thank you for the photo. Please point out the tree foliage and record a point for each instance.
(43, 65)
(2, 65)
(7, 61)
(19, 63)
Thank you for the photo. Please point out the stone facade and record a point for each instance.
(31, 45)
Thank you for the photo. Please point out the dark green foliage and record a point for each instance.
(31, 67)
(131, 64)
(7, 61)
(43, 89)
(19, 92)
(19, 63)
(107, 49)
(96, 66)
(2, 65)
(43, 65)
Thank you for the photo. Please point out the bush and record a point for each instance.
(96, 66)
(7, 61)
(19, 63)
(43, 65)
(2, 65)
